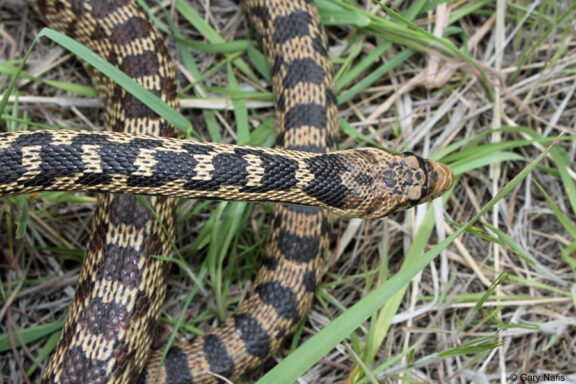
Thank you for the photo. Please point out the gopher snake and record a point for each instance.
(108, 332)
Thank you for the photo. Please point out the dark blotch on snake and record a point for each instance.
(197, 149)
(327, 186)
(145, 64)
(269, 262)
(122, 266)
(330, 97)
(277, 65)
(11, 168)
(314, 148)
(217, 356)
(305, 114)
(169, 166)
(305, 71)
(229, 169)
(37, 138)
(300, 249)
(255, 338)
(79, 368)
(126, 207)
(390, 178)
(295, 24)
(283, 299)
(57, 161)
(104, 319)
(133, 29)
(302, 209)
(279, 171)
(177, 367)
(135, 109)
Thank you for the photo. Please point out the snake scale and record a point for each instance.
(108, 332)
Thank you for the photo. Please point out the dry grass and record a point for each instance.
(453, 324)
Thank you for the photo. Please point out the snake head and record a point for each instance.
(391, 183)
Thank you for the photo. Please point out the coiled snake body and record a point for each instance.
(108, 332)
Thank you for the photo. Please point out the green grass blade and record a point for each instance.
(29, 335)
(82, 90)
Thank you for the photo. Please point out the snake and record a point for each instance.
(110, 326)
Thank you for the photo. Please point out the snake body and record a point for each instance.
(108, 331)
(367, 182)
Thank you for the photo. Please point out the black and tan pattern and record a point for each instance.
(367, 182)
(109, 329)
(107, 334)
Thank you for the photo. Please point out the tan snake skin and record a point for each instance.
(108, 332)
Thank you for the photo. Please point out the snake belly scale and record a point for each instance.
(109, 329)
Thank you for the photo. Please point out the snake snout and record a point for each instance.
(440, 179)
(423, 180)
